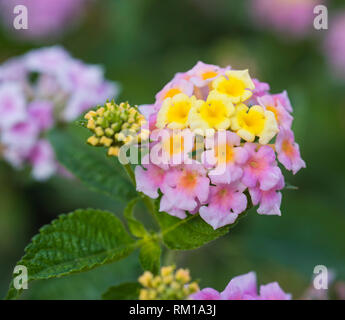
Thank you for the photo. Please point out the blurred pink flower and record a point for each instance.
(12, 104)
(43, 160)
(292, 17)
(46, 18)
(335, 44)
(41, 114)
(37, 90)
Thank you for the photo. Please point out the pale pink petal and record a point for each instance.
(217, 218)
(241, 286)
(205, 294)
(43, 161)
(270, 178)
(41, 113)
(273, 291)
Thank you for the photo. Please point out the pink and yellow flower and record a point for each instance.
(149, 179)
(253, 122)
(225, 203)
(176, 86)
(288, 151)
(225, 157)
(213, 113)
(185, 186)
(173, 147)
(284, 100)
(269, 200)
(236, 84)
(202, 74)
(206, 166)
(261, 167)
(261, 89)
(282, 116)
(174, 112)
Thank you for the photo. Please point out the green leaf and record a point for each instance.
(124, 291)
(189, 233)
(135, 226)
(150, 256)
(90, 164)
(75, 242)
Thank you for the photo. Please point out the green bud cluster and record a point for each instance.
(115, 125)
(168, 285)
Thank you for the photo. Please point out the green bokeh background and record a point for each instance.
(142, 44)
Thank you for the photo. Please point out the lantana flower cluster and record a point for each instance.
(170, 284)
(216, 136)
(38, 90)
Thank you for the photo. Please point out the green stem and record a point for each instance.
(150, 206)
(130, 173)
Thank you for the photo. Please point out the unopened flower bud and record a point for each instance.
(169, 285)
(183, 275)
(146, 278)
(115, 125)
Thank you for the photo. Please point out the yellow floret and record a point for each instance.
(144, 294)
(106, 141)
(99, 131)
(214, 113)
(175, 111)
(146, 278)
(91, 124)
(183, 275)
(166, 271)
(113, 151)
(255, 121)
(93, 141)
(90, 115)
(237, 85)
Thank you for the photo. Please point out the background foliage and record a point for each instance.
(141, 44)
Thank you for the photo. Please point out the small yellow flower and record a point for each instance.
(183, 275)
(237, 85)
(144, 294)
(146, 278)
(93, 141)
(214, 113)
(174, 112)
(254, 121)
(168, 270)
(193, 287)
